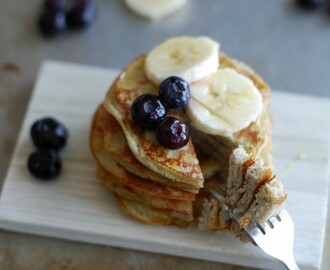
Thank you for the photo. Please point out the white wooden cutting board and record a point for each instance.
(75, 207)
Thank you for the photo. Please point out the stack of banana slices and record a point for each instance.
(229, 145)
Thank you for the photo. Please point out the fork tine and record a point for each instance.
(218, 196)
(262, 228)
(221, 199)
(266, 227)
(273, 221)
(278, 218)
(270, 224)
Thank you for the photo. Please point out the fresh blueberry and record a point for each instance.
(175, 92)
(55, 4)
(172, 133)
(45, 164)
(81, 14)
(52, 22)
(310, 4)
(148, 111)
(49, 133)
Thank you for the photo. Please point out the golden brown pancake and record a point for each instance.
(148, 215)
(109, 165)
(115, 144)
(179, 209)
(180, 165)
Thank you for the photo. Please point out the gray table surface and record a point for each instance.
(288, 47)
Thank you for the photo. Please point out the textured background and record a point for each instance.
(287, 46)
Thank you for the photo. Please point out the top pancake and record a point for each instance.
(109, 165)
(180, 165)
(116, 145)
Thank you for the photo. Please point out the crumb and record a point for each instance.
(302, 156)
(11, 67)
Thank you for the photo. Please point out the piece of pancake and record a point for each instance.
(147, 214)
(116, 145)
(180, 165)
(253, 191)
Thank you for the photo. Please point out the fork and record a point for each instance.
(274, 237)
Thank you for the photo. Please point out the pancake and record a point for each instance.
(147, 214)
(108, 164)
(180, 165)
(115, 144)
(179, 209)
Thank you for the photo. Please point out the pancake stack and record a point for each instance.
(142, 193)
(157, 185)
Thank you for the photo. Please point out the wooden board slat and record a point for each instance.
(75, 207)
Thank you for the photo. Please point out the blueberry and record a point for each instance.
(175, 92)
(52, 22)
(148, 111)
(172, 133)
(310, 4)
(45, 164)
(81, 14)
(49, 133)
(55, 4)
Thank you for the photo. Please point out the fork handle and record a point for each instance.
(290, 263)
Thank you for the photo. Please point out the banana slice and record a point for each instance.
(203, 119)
(155, 9)
(190, 58)
(224, 102)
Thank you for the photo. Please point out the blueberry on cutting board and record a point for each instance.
(81, 14)
(45, 164)
(52, 22)
(310, 4)
(49, 133)
(55, 4)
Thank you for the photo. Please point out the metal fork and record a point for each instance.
(274, 237)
